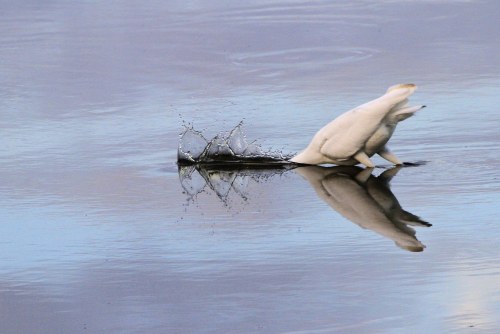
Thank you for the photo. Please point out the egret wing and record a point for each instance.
(349, 133)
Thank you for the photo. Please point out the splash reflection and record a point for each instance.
(354, 192)
(225, 180)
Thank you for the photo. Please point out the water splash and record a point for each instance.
(224, 148)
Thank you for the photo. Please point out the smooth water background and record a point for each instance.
(97, 234)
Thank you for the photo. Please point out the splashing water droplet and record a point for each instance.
(191, 145)
(236, 141)
(225, 148)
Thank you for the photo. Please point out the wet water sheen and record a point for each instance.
(101, 232)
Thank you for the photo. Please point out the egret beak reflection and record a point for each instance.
(364, 199)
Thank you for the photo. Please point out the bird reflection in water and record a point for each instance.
(354, 192)
(366, 200)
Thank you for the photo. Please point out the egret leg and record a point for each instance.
(389, 156)
(364, 159)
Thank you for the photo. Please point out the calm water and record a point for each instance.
(100, 232)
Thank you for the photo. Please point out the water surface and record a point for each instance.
(99, 233)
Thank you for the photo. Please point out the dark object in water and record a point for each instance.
(414, 164)
(225, 149)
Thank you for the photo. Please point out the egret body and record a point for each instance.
(358, 134)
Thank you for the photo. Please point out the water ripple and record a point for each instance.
(318, 13)
(305, 58)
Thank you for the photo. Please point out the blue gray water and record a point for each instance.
(100, 233)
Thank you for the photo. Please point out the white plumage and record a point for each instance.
(358, 134)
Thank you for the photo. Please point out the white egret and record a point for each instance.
(358, 134)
